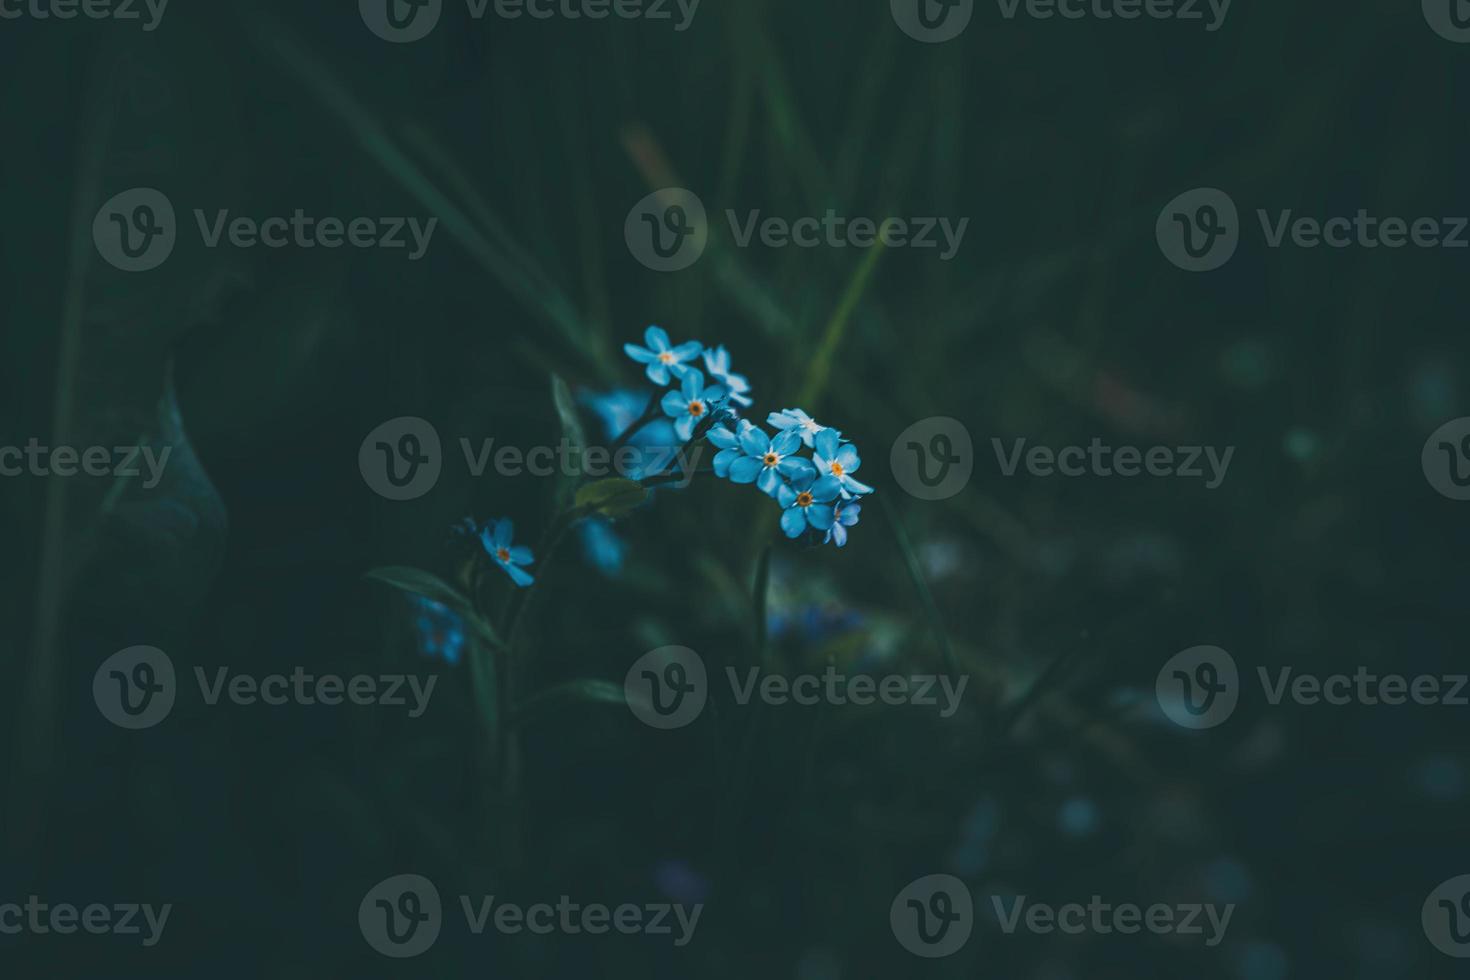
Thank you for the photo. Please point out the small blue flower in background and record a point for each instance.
(660, 355)
(616, 409)
(601, 545)
(801, 422)
(839, 461)
(497, 538)
(717, 362)
(844, 516)
(765, 461)
(440, 630)
(807, 501)
(691, 402)
(464, 528)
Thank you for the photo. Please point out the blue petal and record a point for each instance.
(517, 576)
(820, 516)
(744, 401)
(722, 438)
(692, 383)
(674, 404)
(639, 354)
(838, 534)
(504, 533)
(656, 338)
(755, 442)
(780, 420)
(745, 469)
(826, 443)
(684, 427)
(521, 555)
(724, 459)
(793, 522)
(786, 442)
(689, 351)
(715, 394)
(658, 373)
(849, 458)
(769, 479)
(796, 468)
(826, 489)
(849, 485)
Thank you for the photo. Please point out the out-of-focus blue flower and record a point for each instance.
(815, 623)
(807, 501)
(679, 881)
(440, 630)
(844, 515)
(497, 537)
(691, 402)
(804, 424)
(464, 528)
(660, 355)
(601, 545)
(616, 409)
(766, 462)
(717, 363)
(840, 461)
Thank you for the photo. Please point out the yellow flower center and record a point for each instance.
(770, 459)
(804, 499)
(837, 469)
(696, 408)
(666, 357)
(503, 554)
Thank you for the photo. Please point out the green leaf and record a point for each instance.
(571, 426)
(585, 690)
(419, 582)
(614, 497)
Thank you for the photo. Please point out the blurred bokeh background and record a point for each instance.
(1058, 322)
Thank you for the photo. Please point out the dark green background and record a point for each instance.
(1059, 321)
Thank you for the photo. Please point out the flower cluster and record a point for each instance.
(497, 538)
(819, 493)
(816, 494)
